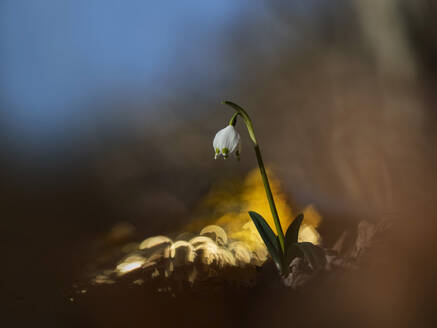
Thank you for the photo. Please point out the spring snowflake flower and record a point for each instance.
(227, 142)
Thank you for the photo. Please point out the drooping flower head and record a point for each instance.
(227, 142)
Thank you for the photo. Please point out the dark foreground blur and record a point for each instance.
(342, 98)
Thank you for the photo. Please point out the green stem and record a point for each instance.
(270, 197)
(269, 194)
(233, 119)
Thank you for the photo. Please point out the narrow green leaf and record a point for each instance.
(314, 254)
(291, 236)
(268, 236)
(292, 233)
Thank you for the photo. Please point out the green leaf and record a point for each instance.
(269, 238)
(291, 236)
(313, 254)
(293, 230)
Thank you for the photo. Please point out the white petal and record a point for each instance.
(217, 139)
(227, 138)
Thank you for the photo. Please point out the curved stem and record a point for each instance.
(245, 117)
(269, 194)
(233, 119)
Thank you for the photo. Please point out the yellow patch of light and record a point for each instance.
(230, 205)
(130, 264)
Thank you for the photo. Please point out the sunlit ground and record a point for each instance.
(223, 237)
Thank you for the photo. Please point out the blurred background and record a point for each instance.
(109, 108)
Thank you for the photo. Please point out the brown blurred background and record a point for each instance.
(109, 110)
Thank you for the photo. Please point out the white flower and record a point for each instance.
(227, 142)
